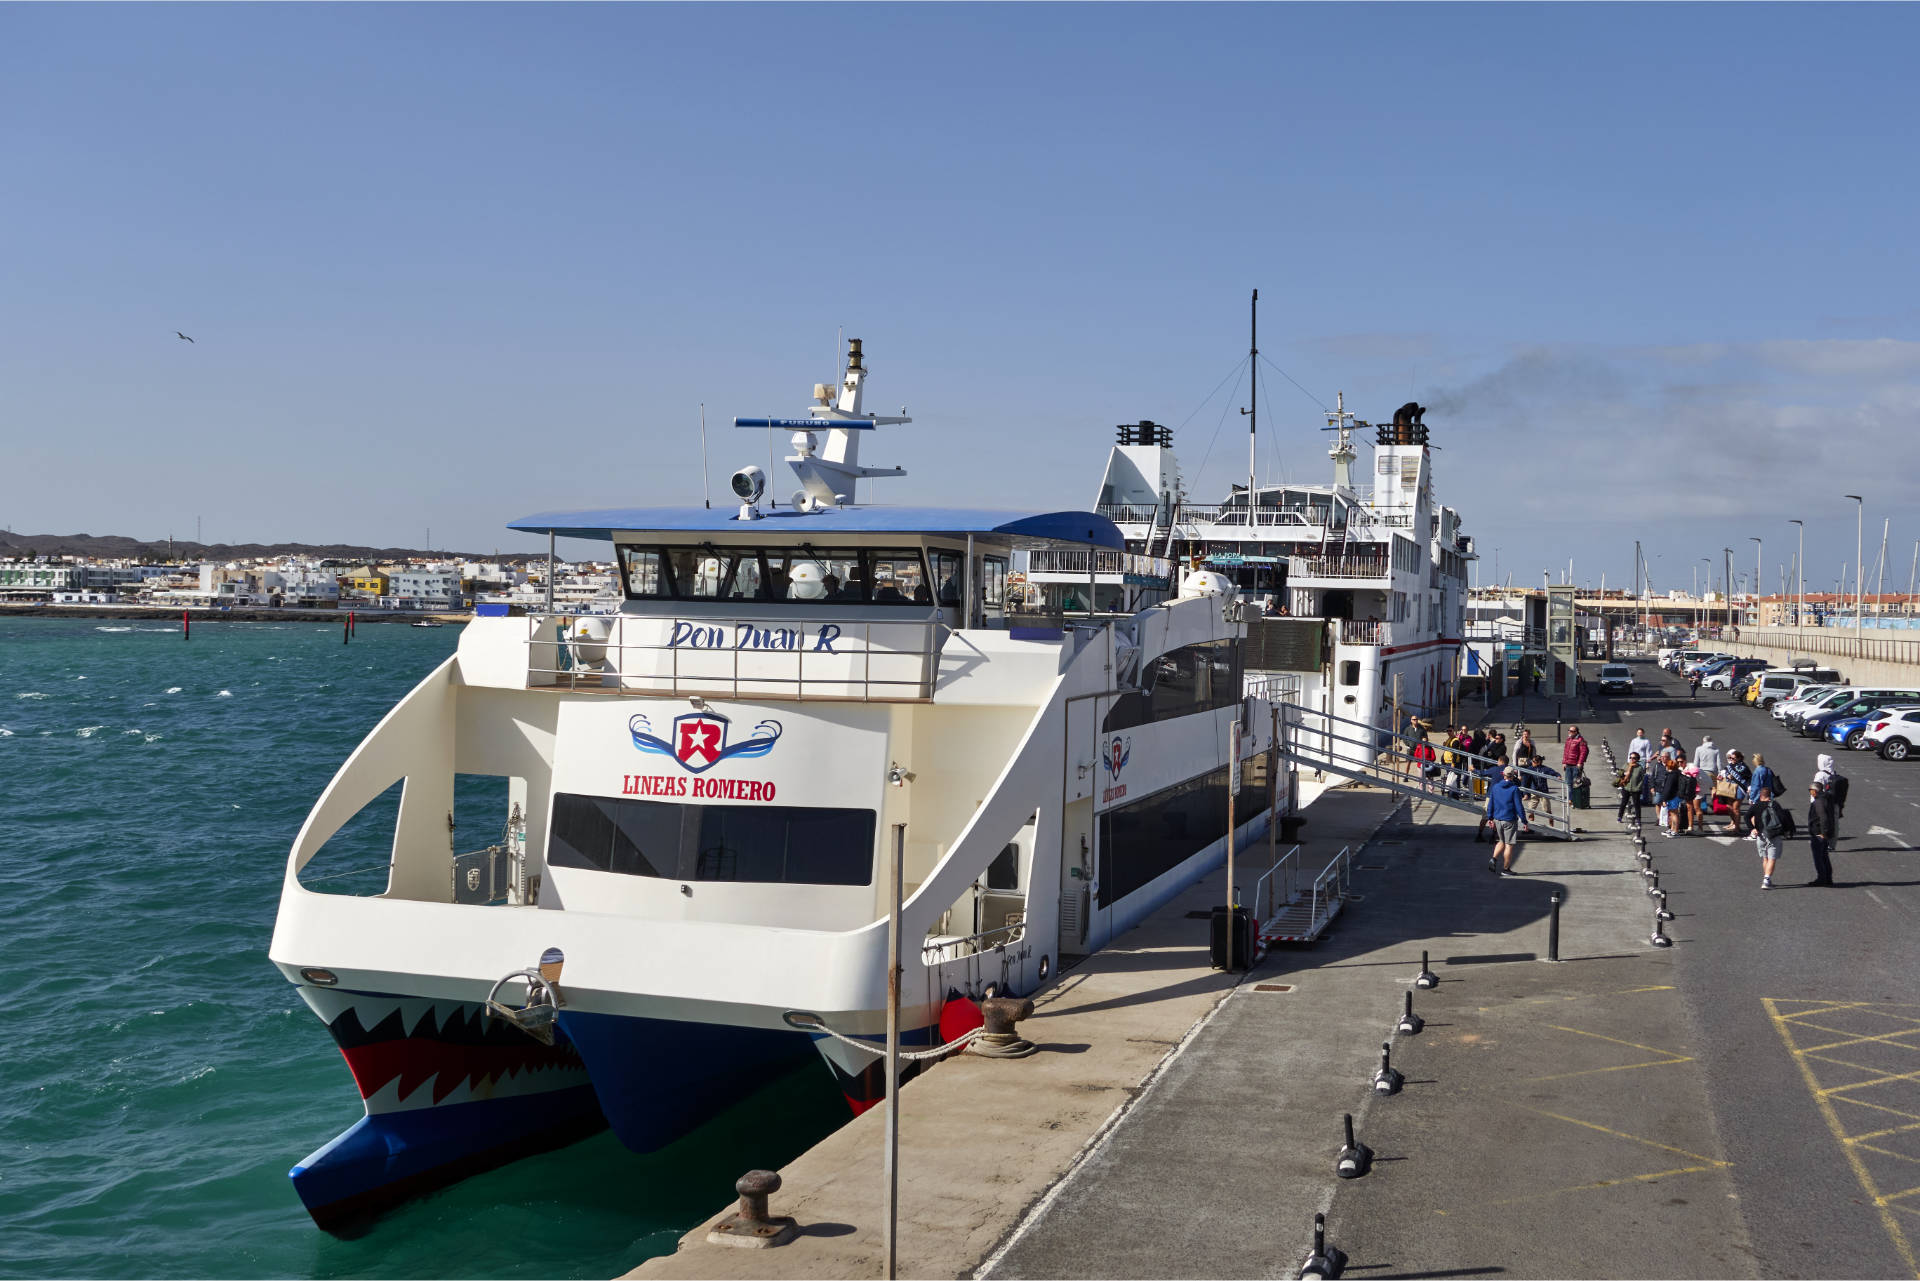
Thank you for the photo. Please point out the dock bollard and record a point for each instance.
(1662, 914)
(1553, 926)
(1410, 1023)
(1355, 1159)
(750, 1225)
(1426, 978)
(1659, 936)
(998, 1040)
(1653, 884)
(1388, 1079)
(1324, 1262)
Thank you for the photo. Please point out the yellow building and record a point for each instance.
(367, 583)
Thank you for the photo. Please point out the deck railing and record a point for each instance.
(1340, 567)
(1361, 631)
(1081, 561)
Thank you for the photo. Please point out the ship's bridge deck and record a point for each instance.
(845, 603)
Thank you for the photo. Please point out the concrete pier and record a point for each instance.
(1735, 1105)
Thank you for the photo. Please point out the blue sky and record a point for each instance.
(447, 264)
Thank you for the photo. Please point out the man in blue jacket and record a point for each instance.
(1506, 807)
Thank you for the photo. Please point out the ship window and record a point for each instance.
(949, 572)
(1193, 678)
(898, 578)
(1150, 837)
(995, 580)
(1350, 672)
(1004, 872)
(751, 844)
(704, 573)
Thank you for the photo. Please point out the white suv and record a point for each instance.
(1895, 733)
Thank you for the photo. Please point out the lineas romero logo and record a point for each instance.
(698, 742)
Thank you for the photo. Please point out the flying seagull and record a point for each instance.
(178, 334)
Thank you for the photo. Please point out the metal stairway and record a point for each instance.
(1358, 750)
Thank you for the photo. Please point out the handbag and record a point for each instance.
(1724, 790)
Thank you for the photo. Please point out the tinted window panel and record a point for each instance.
(1141, 841)
(760, 844)
(1180, 682)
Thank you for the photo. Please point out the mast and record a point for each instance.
(1253, 399)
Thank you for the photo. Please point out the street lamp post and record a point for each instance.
(1756, 579)
(1859, 579)
(1800, 574)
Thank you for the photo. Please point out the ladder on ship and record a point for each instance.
(1368, 753)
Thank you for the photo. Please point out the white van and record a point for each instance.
(1778, 687)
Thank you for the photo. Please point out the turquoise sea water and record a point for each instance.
(160, 1076)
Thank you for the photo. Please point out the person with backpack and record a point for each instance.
(1687, 817)
(1669, 797)
(1632, 783)
(1828, 776)
(1769, 825)
(1821, 819)
(1425, 759)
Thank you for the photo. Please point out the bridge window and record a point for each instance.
(800, 574)
(995, 580)
(758, 844)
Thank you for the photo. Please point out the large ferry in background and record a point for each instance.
(702, 795)
(1361, 589)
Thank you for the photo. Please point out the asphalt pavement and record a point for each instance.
(1806, 1000)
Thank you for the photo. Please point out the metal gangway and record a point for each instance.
(1289, 909)
(1369, 753)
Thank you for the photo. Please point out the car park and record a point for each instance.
(1679, 658)
(1838, 696)
(1896, 735)
(1702, 663)
(1616, 678)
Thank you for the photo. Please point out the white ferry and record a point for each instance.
(1361, 589)
(705, 793)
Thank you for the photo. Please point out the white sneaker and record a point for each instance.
(1766, 882)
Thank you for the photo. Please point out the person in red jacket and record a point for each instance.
(1573, 757)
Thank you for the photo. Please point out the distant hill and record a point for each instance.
(160, 550)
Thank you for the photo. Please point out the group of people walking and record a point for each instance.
(1707, 789)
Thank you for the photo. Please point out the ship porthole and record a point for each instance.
(1046, 968)
(320, 978)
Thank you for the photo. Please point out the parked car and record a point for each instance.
(1616, 678)
(1726, 674)
(1897, 735)
(1839, 696)
(1801, 700)
(1858, 702)
(1703, 663)
(1770, 687)
(1679, 658)
(1851, 731)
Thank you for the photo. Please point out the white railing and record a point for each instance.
(864, 660)
(1081, 561)
(1274, 688)
(1360, 631)
(1277, 886)
(1330, 887)
(1340, 567)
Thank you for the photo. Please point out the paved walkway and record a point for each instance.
(982, 1141)
(1567, 1094)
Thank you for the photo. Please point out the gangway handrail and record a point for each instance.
(1363, 750)
(1335, 875)
(1265, 885)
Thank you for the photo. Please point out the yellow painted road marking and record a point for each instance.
(1824, 1101)
(1671, 1058)
(1892, 1037)
(1710, 1163)
(1859, 1085)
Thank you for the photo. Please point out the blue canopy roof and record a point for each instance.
(783, 523)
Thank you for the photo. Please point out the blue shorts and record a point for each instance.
(1674, 804)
